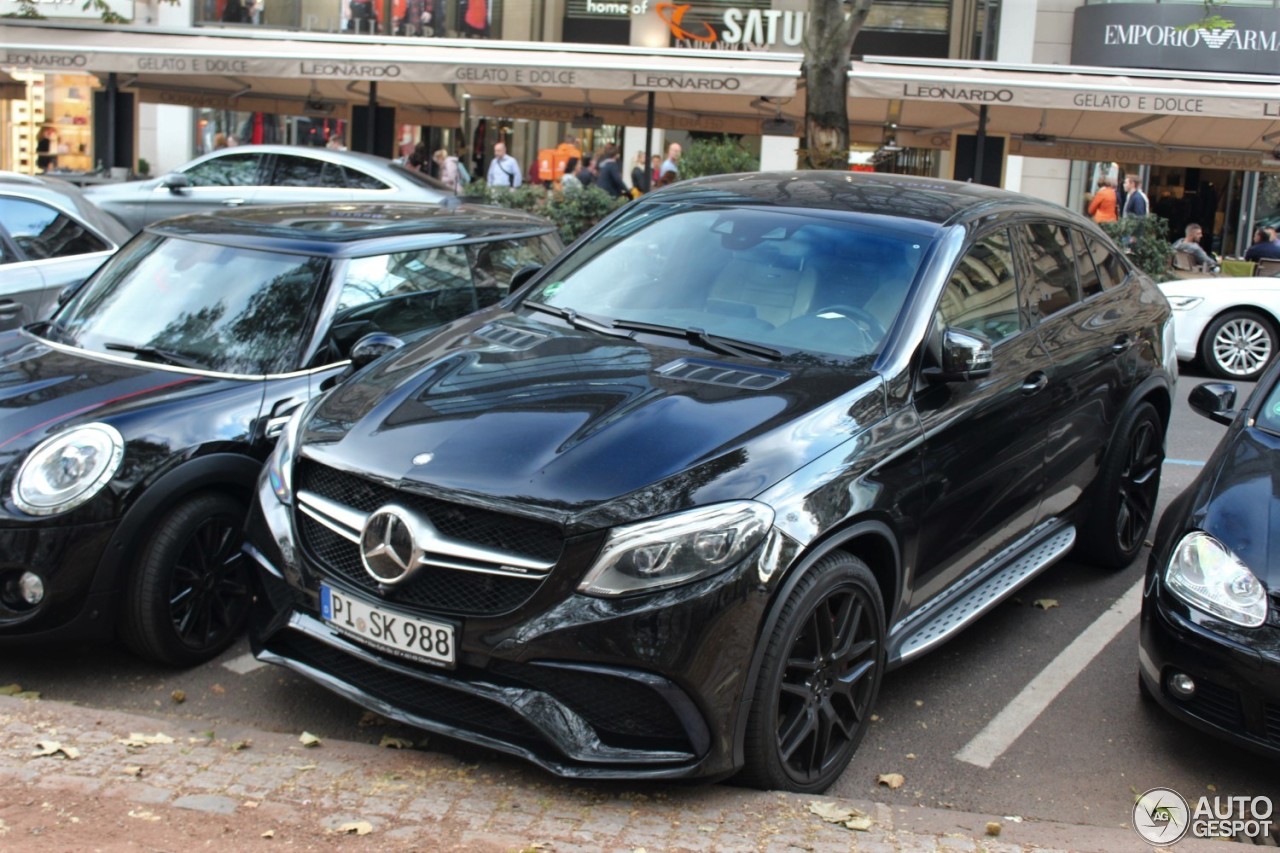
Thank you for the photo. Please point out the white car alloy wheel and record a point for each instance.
(1240, 345)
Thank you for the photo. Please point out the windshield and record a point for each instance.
(219, 308)
(795, 282)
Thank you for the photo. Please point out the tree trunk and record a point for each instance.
(833, 25)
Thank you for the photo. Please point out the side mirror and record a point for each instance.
(523, 274)
(373, 346)
(176, 181)
(964, 356)
(1215, 400)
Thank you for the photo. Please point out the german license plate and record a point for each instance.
(401, 635)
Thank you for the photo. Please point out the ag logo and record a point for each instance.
(1161, 816)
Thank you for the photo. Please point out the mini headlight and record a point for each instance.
(280, 463)
(1206, 575)
(68, 469)
(1184, 303)
(676, 549)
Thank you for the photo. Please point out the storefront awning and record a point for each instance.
(1076, 112)
(209, 68)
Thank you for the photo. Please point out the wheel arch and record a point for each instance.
(871, 540)
(232, 473)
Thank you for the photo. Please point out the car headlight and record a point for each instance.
(1184, 303)
(677, 549)
(280, 463)
(1205, 574)
(68, 469)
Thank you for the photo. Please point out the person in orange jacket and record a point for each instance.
(1102, 207)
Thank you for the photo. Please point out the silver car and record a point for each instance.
(264, 174)
(51, 238)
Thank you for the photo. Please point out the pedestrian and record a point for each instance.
(1263, 247)
(586, 174)
(1191, 245)
(1135, 200)
(1102, 207)
(569, 181)
(335, 143)
(504, 170)
(450, 174)
(655, 170)
(641, 179)
(420, 159)
(610, 173)
(672, 163)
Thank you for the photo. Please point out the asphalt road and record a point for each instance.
(1081, 760)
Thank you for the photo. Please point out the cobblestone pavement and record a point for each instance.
(102, 787)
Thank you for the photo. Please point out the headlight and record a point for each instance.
(68, 469)
(1184, 303)
(1205, 574)
(677, 549)
(280, 463)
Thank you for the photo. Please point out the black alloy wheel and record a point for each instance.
(191, 590)
(819, 679)
(1127, 487)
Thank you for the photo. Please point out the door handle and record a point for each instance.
(9, 308)
(1122, 344)
(1035, 383)
(232, 202)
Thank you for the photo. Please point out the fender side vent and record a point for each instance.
(728, 375)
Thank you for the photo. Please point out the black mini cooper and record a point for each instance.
(133, 425)
(673, 508)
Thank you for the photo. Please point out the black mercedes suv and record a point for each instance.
(674, 507)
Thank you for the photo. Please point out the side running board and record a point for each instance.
(929, 628)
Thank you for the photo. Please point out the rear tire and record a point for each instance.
(1124, 498)
(818, 680)
(1239, 345)
(188, 596)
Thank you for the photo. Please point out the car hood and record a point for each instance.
(1236, 502)
(591, 428)
(46, 388)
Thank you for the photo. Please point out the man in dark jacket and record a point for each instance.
(1135, 200)
(610, 179)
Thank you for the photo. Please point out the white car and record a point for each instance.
(1229, 324)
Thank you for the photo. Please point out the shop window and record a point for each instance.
(41, 232)
(1053, 285)
(229, 170)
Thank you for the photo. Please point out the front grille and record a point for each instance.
(434, 588)
(1217, 705)
(412, 695)
(624, 712)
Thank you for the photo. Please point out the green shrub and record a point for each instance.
(573, 212)
(723, 156)
(1146, 240)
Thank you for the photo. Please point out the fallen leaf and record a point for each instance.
(993, 829)
(846, 816)
(308, 739)
(251, 804)
(131, 770)
(52, 747)
(10, 690)
(395, 742)
(140, 740)
(893, 780)
(241, 744)
(911, 756)
(305, 767)
(143, 814)
(1212, 787)
(355, 827)
(371, 719)
(218, 689)
(270, 833)
(919, 703)
(178, 696)
(1045, 603)
(1013, 818)
(27, 694)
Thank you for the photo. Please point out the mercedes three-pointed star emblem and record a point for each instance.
(388, 546)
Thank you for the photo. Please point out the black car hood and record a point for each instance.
(1237, 502)
(44, 388)
(513, 409)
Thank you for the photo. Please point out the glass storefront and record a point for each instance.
(51, 130)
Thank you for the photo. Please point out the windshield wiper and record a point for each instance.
(715, 343)
(156, 354)
(577, 320)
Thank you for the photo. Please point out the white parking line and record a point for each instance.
(999, 734)
(244, 664)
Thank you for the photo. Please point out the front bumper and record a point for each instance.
(641, 687)
(1237, 678)
(67, 558)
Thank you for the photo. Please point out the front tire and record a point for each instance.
(818, 680)
(1124, 498)
(1239, 345)
(188, 595)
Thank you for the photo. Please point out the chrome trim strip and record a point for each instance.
(319, 518)
(173, 368)
(328, 512)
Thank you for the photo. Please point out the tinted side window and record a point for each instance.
(357, 180)
(403, 292)
(1111, 269)
(1053, 270)
(495, 264)
(982, 294)
(41, 231)
(230, 170)
(291, 171)
(1090, 281)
